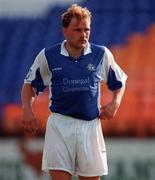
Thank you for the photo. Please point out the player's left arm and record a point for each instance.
(109, 110)
(115, 80)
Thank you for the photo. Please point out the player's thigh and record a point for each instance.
(89, 178)
(58, 174)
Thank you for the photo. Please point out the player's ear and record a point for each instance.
(64, 31)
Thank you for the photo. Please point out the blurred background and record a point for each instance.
(127, 28)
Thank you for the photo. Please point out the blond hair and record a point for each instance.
(75, 11)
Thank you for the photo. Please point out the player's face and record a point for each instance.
(77, 33)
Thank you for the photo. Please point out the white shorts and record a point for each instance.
(75, 146)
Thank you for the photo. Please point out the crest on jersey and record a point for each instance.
(91, 67)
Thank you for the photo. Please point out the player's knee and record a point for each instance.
(89, 178)
(59, 174)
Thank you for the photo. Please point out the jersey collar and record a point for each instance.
(87, 49)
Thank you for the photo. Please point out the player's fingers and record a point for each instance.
(102, 116)
(30, 131)
(30, 126)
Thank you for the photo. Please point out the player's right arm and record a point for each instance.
(29, 121)
(35, 82)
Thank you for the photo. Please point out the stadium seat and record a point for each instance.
(12, 114)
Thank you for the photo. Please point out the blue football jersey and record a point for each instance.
(74, 84)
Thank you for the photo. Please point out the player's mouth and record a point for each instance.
(83, 41)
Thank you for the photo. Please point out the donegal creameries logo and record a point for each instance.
(75, 84)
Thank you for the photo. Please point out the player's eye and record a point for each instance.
(87, 30)
(77, 30)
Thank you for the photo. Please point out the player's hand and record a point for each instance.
(108, 111)
(29, 122)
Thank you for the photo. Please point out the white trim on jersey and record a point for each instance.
(64, 51)
(108, 62)
(41, 63)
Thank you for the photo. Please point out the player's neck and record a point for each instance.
(73, 51)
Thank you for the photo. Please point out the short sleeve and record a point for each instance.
(39, 75)
(111, 73)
